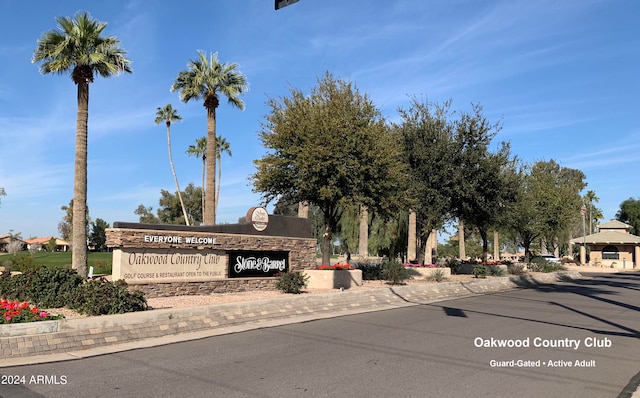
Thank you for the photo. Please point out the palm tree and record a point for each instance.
(222, 145)
(199, 150)
(206, 79)
(168, 115)
(591, 197)
(77, 46)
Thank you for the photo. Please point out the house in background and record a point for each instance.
(41, 244)
(5, 240)
(612, 246)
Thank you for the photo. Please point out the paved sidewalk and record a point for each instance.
(76, 338)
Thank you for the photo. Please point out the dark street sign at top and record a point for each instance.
(283, 3)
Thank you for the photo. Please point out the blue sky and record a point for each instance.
(561, 75)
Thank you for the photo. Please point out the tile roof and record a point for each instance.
(608, 237)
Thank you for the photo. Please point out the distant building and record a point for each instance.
(41, 244)
(5, 240)
(612, 246)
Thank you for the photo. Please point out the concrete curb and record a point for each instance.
(76, 338)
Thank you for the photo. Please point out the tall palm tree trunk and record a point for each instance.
(79, 228)
(175, 176)
(210, 205)
(219, 158)
(204, 162)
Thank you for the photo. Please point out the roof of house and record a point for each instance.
(608, 237)
(45, 240)
(9, 239)
(614, 224)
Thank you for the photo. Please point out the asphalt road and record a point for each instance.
(578, 339)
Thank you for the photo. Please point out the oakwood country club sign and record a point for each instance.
(261, 247)
(184, 265)
(168, 265)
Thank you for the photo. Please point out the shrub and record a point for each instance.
(516, 269)
(370, 271)
(102, 297)
(438, 275)
(494, 270)
(480, 271)
(394, 272)
(454, 265)
(291, 282)
(539, 264)
(42, 286)
(62, 287)
(18, 262)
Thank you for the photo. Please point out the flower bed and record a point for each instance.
(325, 267)
(20, 312)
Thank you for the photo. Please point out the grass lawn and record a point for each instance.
(100, 261)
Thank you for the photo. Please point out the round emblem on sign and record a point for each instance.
(258, 217)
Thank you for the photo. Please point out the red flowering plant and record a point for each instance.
(19, 312)
(418, 265)
(334, 267)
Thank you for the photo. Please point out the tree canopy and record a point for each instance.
(629, 213)
(98, 235)
(78, 46)
(331, 148)
(170, 210)
(208, 79)
(547, 202)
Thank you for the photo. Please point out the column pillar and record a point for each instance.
(411, 244)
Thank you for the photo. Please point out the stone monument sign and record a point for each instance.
(226, 254)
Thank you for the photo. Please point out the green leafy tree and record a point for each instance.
(629, 213)
(331, 149)
(65, 226)
(594, 213)
(208, 79)
(169, 115)
(78, 46)
(547, 203)
(389, 234)
(2, 193)
(52, 245)
(170, 211)
(98, 235)
(426, 138)
(485, 183)
(199, 150)
(146, 215)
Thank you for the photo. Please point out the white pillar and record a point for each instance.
(303, 210)
(411, 244)
(496, 246)
(461, 247)
(363, 238)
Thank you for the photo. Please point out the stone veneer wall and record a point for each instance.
(204, 288)
(302, 255)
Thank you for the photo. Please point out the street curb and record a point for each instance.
(78, 338)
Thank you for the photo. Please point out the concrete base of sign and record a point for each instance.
(333, 279)
(426, 273)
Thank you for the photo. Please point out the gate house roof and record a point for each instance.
(612, 232)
